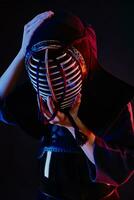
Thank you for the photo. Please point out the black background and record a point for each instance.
(113, 23)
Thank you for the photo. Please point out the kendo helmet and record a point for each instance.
(58, 59)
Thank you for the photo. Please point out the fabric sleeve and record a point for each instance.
(20, 108)
(6, 117)
(114, 153)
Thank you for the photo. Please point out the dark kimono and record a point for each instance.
(106, 110)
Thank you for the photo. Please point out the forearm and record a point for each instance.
(88, 146)
(11, 75)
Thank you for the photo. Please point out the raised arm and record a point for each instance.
(13, 72)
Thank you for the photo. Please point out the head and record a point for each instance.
(59, 57)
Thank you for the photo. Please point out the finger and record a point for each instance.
(76, 104)
(46, 111)
(43, 16)
(50, 105)
(54, 121)
(35, 23)
(31, 29)
(61, 116)
(61, 119)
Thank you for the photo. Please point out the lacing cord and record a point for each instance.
(80, 138)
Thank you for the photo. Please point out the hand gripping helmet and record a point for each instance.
(55, 62)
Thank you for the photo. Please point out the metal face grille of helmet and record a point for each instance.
(55, 71)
